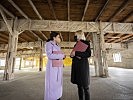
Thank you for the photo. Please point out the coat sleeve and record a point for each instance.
(49, 53)
(85, 54)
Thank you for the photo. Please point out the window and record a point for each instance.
(2, 62)
(117, 57)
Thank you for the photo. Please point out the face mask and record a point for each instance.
(75, 38)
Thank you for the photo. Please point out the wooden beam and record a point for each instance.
(122, 38)
(43, 35)
(35, 9)
(70, 26)
(52, 8)
(101, 12)
(68, 9)
(1, 39)
(120, 9)
(130, 15)
(22, 39)
(20, 11)
(6, 11)
(6, 21)
(128, 40)
(36, 35)
(86, 6)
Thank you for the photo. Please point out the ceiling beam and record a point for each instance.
(128, 17)
(2, 39)
(120, 9)
(128, 39)
(70, 26)
(43, 35)
(22, 39)
(6, 21)
(86, 6)
(52, 8)
(101, 11)
(6, 11)
(20, 11)
(122, 38)
(35, 9)
(68, 9)
(111, 35)
(36, 35)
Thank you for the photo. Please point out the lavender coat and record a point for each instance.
(54, 75)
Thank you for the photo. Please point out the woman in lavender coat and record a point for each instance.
(54, 75)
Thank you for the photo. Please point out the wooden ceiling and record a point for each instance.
(69, 10)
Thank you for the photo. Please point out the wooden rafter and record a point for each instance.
(20, 11)
(43, 35)
(27, 36)
(21, 38)
(35, 9)
(36, 35)
(130, 39)
(112, 35)
(5, 21)
(6, 11)
(1, 39)
(102, 10)
(120, 9)
(86, 6)
(68, 8)
(122, 38)
(128, 17)
(52, 8)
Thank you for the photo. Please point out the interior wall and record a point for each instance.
(126, 57)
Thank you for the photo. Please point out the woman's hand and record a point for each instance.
(72, 54)
(64, 56)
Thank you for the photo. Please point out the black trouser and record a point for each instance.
(59, 99)
(83, 90)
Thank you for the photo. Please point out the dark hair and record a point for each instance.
(52, 35)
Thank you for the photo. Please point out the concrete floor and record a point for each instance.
(29, 85)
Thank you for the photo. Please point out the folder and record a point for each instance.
(80, 46)
(57, 62)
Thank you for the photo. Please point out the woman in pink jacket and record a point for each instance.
(54, 75)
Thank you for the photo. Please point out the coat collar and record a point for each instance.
(54, 43)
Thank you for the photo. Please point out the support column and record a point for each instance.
(21, 62)
(41, 57)
(11, 56)
(94, 40)
(12, 47)
(97, 55)
(33, 62)
(103, 52)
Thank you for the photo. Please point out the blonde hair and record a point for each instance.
(80, 35)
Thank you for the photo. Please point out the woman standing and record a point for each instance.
(54, 75)
(80, 68)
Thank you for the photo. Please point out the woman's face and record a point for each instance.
(57, 39)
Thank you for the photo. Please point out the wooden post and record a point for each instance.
(21, 62)
(97, 55)
(103, 52)
(12, 47)
(41, 57)
(94, 41)
(11, 56)
(33, 62)
(25, 63)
